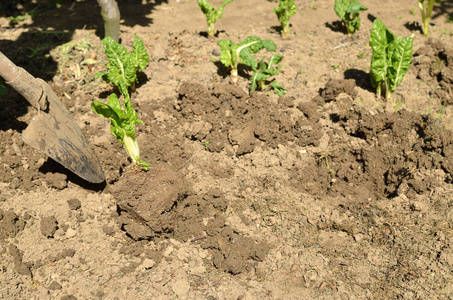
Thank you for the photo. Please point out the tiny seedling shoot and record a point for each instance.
(391, 59)
(285, 10)
(212, 14)
(263, 71)
(122, 72)
(231, 53)
(348, 11)
(426, 8)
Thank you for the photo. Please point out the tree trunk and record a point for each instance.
(111, 15)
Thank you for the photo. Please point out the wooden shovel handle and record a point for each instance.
(23, 82)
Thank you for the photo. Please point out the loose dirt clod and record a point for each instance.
(49, 226)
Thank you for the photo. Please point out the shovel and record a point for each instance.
(52, 131)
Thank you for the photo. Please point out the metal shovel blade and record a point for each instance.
(55, 133)
(52, 131)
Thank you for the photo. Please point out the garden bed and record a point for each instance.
(325, 192)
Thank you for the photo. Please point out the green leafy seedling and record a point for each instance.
(123, 65)
(285, 10)
(426, 9)
(263, 71)
(122, 124)
(349, 12)
(391, 59)
(231, 53)
(212, 14)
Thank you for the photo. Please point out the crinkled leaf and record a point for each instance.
(139, 53)
(340, 8)
(380, 37)
(123, 66)
(252, 45)
(231, 53)
(222, 6)
(264, 72)
(122, 121)
(212, 14)
(255, 79)
(206, 8)
(391, 58)
(286, 9)
(121, 63)
(355, 7)
(275, 60)
(401, 61)
(226, 53)
(278, 88)
(111, 113)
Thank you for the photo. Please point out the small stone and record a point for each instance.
(68, 297)
(148, 263)
(74, 204)
(359, 237)
(54, 286)
(71, 233)
(108, 230)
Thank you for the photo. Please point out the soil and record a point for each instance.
(324, 193)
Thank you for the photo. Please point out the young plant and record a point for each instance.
(391, 59)
(231, 54)
(263, 71)
(212, 14)
(285, 10)
(348, 11)
(122, 124)
(426, 8)
(123, 65)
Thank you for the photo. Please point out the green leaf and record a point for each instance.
(278, 88)
(275, 60)
(212, 14)
(348, 11)
(110, 112)
(391, 58)
(286, 9)
(401, 60)
(231, 53)
(139, 53)
(380, 37)
(123, 66)
(340, 7)
(252, 45)
(355, 7)
(227, 57)
(263, 72)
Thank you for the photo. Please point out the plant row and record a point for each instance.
(391, 58)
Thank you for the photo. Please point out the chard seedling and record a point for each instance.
(263, 71)
(426, 8)
(285, 10)
(212, 14)
(231, 54)
(123, 65)
(122, 124)
(349, 12)
(391, 59)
